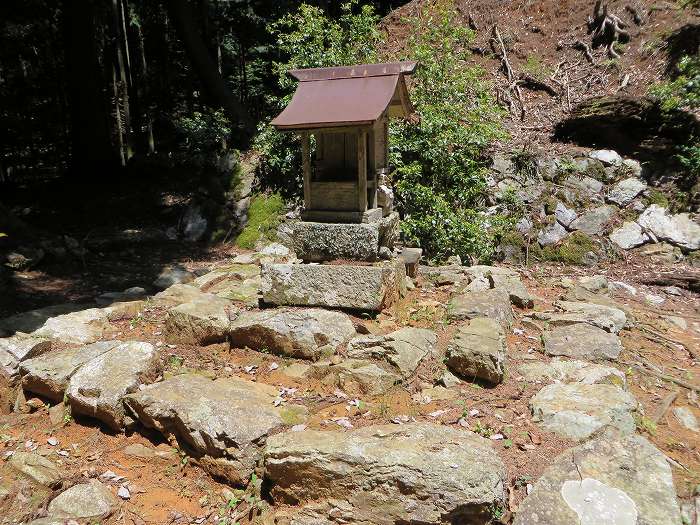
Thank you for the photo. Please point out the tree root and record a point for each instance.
(606, 29)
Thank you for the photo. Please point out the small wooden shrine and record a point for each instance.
(345, 111)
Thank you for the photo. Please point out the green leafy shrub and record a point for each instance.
(204, 131)
(439, 176)
(263, 217)
(684, 90)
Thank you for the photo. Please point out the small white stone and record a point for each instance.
(123, 492)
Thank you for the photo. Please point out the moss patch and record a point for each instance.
(263, 217)
(570, 251)
(657, 197)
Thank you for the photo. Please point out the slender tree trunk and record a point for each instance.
(91, 145)
(205, 66)
(141, 90)
(123, 109)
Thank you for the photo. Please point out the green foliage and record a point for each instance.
(203, 131)
(441, 181)
(684, 90)
(263, 217)
(689, 157)
(439, 174)
(308, 38)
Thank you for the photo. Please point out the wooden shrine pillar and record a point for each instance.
(362, 170)
(306, 167)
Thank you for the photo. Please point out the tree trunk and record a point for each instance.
(205, 66)
(140, 96)
(91, 145)
(122, 108)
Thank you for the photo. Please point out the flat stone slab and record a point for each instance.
(478, 351)
(91, 500)
(38, 468)
(370, 288)
(18, 348)
(236, 282)
(308, 333)
(686, 418)
(82, 327)
(98, 387)
(225, 421)
(32, 320)
(572, 371)
(404, 348)
(493, 303)
(577, 410)
(203, 321)
(414, 473)
(355, 376)
(608, 318)
(582, 341)
(48, 375)
(611, 480)
(177, 294)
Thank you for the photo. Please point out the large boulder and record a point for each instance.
(577, 410)
(203, 321)
(615, 480)
(415, 473)
(582, 341)
(405, 348)
(223, 422)
(629, 235)
(478, 350)
(308, 333)
(18, 348)
(98, 387)
(493, 303)
(48, 375)
(593, 221)
(679, 230)
(624, 191)
(371, 288)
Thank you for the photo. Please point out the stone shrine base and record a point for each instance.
(354, 287)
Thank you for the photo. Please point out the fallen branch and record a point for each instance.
(582, 46)
(533, 83)
(508, 70)
(646, 370)
(687, 281)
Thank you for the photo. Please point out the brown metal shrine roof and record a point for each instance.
(346, 96)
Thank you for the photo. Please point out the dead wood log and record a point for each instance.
(687, 281)
(585, 48)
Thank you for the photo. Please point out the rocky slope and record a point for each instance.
(484, 395)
